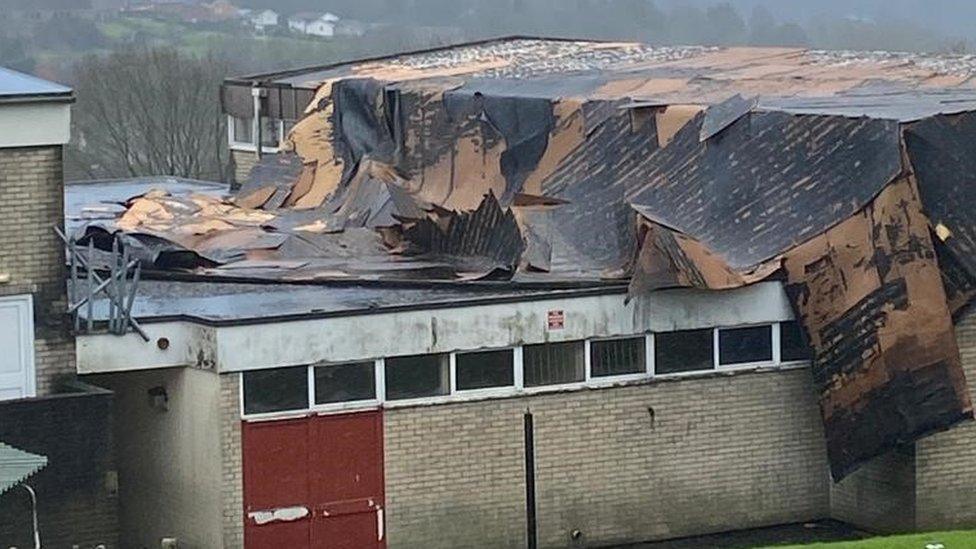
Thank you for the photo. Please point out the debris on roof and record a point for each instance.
(669, 167)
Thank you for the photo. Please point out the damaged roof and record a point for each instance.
(847, 175)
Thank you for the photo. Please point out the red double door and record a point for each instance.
(314, 482)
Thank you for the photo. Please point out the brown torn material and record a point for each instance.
(255, 199)
(869, 295)
(671, 119)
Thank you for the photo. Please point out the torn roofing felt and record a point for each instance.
(846, 175)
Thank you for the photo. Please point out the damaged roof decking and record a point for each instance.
(600, 163)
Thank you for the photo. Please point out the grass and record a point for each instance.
(931, 540)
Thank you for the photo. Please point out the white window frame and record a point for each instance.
(348, 404)
(562, 386)
(486, 391)
(619, 378)
(773, 340)
(250, 146)
(518, 388)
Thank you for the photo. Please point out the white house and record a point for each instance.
(263, 19)
(317, 24)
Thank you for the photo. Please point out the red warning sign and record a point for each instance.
(556, 320)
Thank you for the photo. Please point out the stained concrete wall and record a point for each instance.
(721, 452)
(170, 473)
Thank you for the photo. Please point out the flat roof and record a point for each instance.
(219, 303)
(92, 200)
(896, 85)
(16, 86)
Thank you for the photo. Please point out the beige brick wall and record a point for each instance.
(232, 487)
(722, 452)
(880, 496)
(946, 462)
(243, 162)
(31, 203)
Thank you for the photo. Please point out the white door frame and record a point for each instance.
(25, 304)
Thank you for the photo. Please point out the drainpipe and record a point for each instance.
(256, 94)
(37, 532)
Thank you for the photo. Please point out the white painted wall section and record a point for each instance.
(35, 124)
(356, 338)
(185, 344)
(372, 336)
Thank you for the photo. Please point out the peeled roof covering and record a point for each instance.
(17, 465)
(846, 175)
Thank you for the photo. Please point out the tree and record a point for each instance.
(148, 112)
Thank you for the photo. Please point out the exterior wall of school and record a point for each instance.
(31, 204)
(944, 476)
(721, 451)
(651, 461)
(170, 456)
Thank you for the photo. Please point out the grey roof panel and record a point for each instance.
(13, 83)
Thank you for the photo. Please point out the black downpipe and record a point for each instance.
(530, 538)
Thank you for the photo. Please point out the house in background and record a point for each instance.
(263, 19)
(315, 24)
(44, 409)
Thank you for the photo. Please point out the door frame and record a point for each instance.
(25, 302)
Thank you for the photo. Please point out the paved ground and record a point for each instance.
(824, 530)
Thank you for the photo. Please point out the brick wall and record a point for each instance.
(880, 496)
(31, 202)
(232, 488)
(243, 162)
(720, 453)
(76, 491)
(945, 471)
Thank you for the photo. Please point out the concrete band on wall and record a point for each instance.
(232, 348)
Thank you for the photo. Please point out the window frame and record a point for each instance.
(647, 373)
(348, 404)
(773, 340)
(560, 386)
(518, 387)
(488, 391)
(249, 146)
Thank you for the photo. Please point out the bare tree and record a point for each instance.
(148, 112)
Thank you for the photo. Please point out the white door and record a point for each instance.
(16, 347)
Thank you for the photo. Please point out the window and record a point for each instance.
(683, 351)
(241, 129)
(793, 345)
(616, 357)
(345, 382)
(485, 369)
(270, 129)
(745, 345)
(417, 376)
(275, 390)
(553, 363)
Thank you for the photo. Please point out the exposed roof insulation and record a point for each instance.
(668, 167)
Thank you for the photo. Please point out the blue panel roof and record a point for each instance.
(13, 83)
